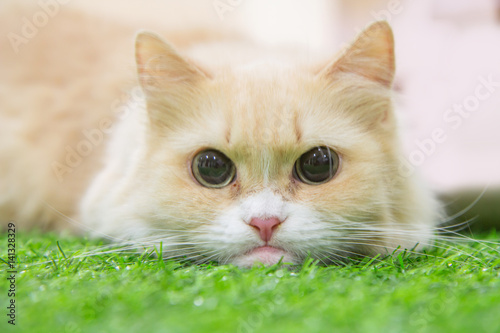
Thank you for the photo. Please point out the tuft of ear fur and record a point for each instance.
(169, 80)
(371, 55)
(160, 66)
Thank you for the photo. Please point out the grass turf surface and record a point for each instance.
(455, 289)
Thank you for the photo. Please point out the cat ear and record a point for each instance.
(161, 68)
(170, 82)
(371, 55)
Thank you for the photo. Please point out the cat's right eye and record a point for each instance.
(213, 169)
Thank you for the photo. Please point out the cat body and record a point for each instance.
(152, 184)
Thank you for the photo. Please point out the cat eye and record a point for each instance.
(211, 168)
(317, 166)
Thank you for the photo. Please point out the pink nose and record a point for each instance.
(265, 227)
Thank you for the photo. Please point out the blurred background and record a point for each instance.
(447, 57)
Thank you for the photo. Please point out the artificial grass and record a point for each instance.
(451, 289)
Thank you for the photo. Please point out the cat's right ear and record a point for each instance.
(161, 68)
(371, 56)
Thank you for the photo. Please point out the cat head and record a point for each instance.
(255, 164)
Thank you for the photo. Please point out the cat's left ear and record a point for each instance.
(371, 56)
(161, 68)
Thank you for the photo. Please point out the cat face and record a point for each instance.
(261, 164)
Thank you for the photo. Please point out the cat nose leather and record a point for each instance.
(265, 227)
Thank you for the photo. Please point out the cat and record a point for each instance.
(238, 163)
(200, 166)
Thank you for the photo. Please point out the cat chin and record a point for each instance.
(265, 255)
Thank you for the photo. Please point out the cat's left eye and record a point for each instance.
(211, 168)
(317, 166)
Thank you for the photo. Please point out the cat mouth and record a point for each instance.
(265, 250)
(267, 255)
